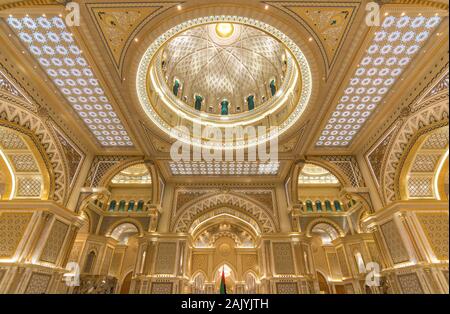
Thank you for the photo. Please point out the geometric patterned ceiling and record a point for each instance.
(391, 49)
(327, 23)
(233, 67)
(118, 23)
(52, 45)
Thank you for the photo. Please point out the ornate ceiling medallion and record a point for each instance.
(254, 75)
(224, 30)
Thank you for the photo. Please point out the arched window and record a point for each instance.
(251, 102)
(198, 102)
(140, 205)
(130, 205)
(309, 206)
(176, 87)
(112, 205)
(122, 205)
(328, 207)
(319, 206)
(273, 87)
(337, 206)
(89, 265)
(224, 107)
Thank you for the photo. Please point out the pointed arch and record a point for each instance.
(232, 203)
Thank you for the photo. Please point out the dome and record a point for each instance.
(224, 72)
(224, 61)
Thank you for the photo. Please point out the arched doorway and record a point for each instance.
(323, 284)
(125, 288)
(230, 279)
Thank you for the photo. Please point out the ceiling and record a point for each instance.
(346, 60)
(218, 68)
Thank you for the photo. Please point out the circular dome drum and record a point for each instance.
(223, 71)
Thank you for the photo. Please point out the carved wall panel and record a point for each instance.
(12, 228)
(283, 259)
(394, 242)
(165, 258)
(54, 242)
(435, 227)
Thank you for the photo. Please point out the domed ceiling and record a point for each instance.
(224, 72)
(224, 61)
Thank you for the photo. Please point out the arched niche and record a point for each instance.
(209, 231)
(315, 180)
(130, 188)
(425, 168)
(123, 232)
(325, 227)
(24, 172)
(194, 213)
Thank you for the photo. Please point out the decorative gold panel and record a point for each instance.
(283, 259)
(38, 283)
(410, 284)
(115, 264)
(333, 263)
(162, 287)
(287, 288)
(435, 227)
(327, 22)
(12, 228)
(165, 260)
(249, 262)
(200, 262)
(107, 261)
(394, 242)
(344, 267)
(54, 242)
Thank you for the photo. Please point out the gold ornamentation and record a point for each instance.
(12, 229)
(54, 242)
(283, 259)
(165, 258)
(435, 227)
(38, 283)
(394, 242)
(410, 283)
(327, 22)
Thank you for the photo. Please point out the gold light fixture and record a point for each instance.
(224, 30)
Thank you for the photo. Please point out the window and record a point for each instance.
(337, 206)
(224, 107)
(319, 206)
(131, 205)
(309, 206)
(251, 102)
(176, 87)
(112, 205)
(122, 205)
(273, 87)
(328, 207)
(140, 205)
(198, 102)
